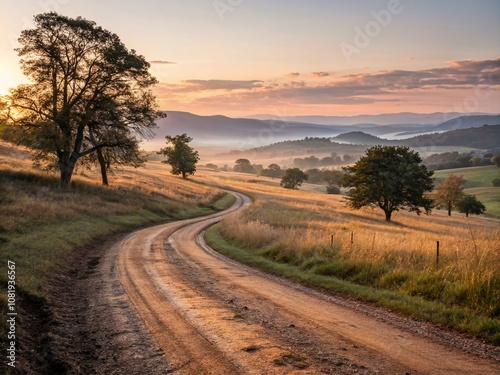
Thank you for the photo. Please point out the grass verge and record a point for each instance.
(42, 225)
(414, 306)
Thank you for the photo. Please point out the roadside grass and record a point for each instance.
(289, 233)
(40, 224)
(479, 183)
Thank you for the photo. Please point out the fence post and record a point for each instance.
(352, 238)
(331, 241)
(437, 254)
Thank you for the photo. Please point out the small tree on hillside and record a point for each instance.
(496, 160)
(469, 204)
(293, 178)
(450, 191)
(181, 157)
(389, 177)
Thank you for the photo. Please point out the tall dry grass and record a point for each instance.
(40, 224)
(296, 227)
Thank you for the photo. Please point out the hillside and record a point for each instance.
(355, 143)
(360, 138)
(479, 184)
(464, 122)
(484, 137)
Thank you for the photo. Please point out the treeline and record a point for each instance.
(315, 162)
(332, 179)
(453, 160)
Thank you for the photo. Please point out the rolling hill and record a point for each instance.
(245, 133)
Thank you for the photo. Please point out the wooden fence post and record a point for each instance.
(437, 254)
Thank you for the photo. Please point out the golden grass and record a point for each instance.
(297, 227)
(41, 224)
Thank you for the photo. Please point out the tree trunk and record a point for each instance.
(466, 214)
(184, 175)
(104, 167)
(67, 166)
(388, 216)
(449, 210)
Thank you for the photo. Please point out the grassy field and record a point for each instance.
(40, 224)
(314, 238)
(305, 235)
(479, 184)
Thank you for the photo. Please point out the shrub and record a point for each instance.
(332, 190)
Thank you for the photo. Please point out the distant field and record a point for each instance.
(479, 184)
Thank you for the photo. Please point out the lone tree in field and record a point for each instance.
(469, 204)
(389, 177)
(181, 157)
(450, 191)
(293, 178)
(88, 93)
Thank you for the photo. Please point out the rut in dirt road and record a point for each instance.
(211, 315)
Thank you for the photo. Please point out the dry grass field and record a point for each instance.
(41, 225)
(303, 234)
(319, 236)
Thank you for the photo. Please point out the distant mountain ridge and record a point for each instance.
(246, 133)
(482, 137)
(403, 118)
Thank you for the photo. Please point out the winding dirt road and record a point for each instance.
(211, 315)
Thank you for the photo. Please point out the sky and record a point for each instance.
(295, 57)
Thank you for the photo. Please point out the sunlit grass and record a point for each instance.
(41, 225)
(295, 228)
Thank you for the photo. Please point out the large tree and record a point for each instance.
(391, 178)
(88, 92)
(181, 157)
(450, 191)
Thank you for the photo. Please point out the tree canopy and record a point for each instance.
(293, 178)
(88, 92)
(181, 157)
(244, 166)
(469, 204)
(450, 191)
(391, 178)
(273, 170)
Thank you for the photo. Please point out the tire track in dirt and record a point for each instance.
(211, 315)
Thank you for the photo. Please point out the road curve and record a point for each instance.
(212, 315)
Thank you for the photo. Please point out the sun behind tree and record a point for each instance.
(389, 177)
(181, 157)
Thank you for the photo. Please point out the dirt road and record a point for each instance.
(159, 301)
